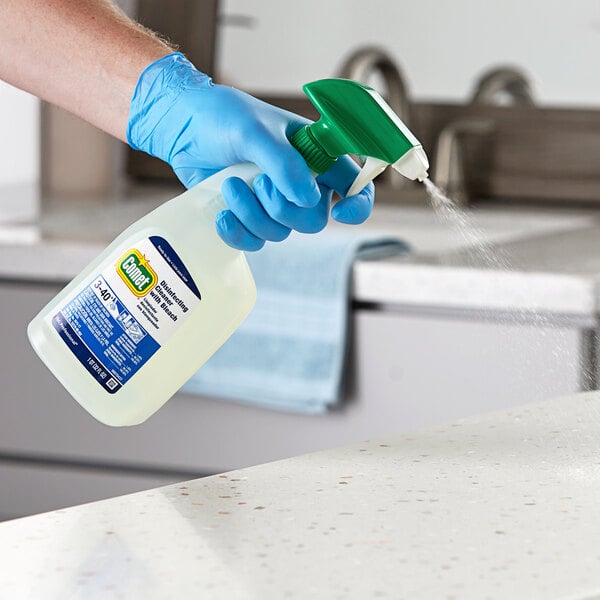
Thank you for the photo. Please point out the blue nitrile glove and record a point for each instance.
(199, 128)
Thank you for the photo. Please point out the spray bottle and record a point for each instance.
(152, 308)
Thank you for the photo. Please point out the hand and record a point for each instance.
(199, 128)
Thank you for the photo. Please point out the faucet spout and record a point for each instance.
(365, 62)
(503, 86)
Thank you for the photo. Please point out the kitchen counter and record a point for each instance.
(553, 256)
(503, 505)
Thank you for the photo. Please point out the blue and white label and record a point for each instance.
(122, 317)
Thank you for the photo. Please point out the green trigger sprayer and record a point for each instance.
(356, 120)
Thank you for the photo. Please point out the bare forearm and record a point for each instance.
(83, 55)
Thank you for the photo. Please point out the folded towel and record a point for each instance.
(289, 353)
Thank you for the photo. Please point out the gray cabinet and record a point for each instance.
(406, 370)
(28, 487)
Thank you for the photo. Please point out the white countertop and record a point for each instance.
(499, 506)
(553, 255)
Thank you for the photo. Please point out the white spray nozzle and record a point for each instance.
(414, 164)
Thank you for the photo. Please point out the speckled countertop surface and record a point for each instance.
(500, 506)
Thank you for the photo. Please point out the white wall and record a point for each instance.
(19, 137)
(20, 133)
(441, 45)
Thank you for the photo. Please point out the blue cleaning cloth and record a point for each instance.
(289, 353)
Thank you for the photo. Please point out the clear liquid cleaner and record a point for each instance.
(150, 310)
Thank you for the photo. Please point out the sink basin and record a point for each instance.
(427, 233)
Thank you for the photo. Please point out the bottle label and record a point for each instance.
(127, 311)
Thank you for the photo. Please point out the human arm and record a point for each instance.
(82, 55)
(87, 56)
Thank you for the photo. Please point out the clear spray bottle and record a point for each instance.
(158, 302)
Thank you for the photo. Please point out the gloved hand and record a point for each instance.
(199, 128)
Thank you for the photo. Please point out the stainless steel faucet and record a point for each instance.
(361, 65)
(503, 86)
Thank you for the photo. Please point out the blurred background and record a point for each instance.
(272, 49)
(506, 100)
